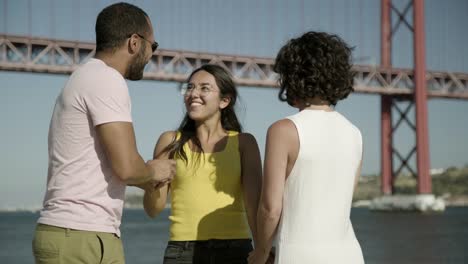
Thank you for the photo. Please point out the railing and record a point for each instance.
(27, 54)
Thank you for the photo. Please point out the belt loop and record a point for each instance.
(186, 244)
(67, 232)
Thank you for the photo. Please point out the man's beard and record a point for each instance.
(137, 66)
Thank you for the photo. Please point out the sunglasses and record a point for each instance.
(154, 45)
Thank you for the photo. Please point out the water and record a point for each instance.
(385, 237)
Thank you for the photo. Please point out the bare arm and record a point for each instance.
(251, 178)
(281, 138)
(118, 141)
(155, 199)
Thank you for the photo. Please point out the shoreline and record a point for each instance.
(357, 204)
(450, 201)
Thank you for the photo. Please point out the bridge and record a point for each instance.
(29, 54)
(393, 85)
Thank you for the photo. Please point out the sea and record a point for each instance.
(385, 237)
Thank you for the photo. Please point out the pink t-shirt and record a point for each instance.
(82, 191)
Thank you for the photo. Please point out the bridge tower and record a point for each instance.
(418, 98)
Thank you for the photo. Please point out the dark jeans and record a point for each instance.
(215, 251)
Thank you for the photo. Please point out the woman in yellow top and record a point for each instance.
(215, 193)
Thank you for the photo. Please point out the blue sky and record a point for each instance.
(243, 27)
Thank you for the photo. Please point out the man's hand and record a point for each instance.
(151, 186)
(162, 171)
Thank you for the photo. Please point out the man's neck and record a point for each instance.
(113, 60)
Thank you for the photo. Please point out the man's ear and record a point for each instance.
(133, 44)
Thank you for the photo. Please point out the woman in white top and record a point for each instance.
(312, 159)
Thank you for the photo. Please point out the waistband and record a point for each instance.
(50, 228)
(212, 243)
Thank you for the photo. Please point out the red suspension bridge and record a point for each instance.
(414, 86)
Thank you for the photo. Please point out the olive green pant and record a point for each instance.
(53, 244)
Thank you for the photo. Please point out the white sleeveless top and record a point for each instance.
(315, 225)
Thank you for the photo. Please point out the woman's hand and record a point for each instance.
(257, 257)
(271, 256)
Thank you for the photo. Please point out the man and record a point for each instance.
(92, 149)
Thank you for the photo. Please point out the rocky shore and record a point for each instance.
(450, 185)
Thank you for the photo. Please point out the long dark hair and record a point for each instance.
(229, 119)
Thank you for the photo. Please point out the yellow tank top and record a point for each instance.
(207, 201)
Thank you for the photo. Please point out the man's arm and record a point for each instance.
(118, 142)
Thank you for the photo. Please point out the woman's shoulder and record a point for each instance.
(246, 139)
(164, 140)
(169, 133)
(348, 123)
(168, 137)
(282, 126)
(245, 136)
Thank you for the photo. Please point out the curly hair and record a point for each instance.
(315, 64)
